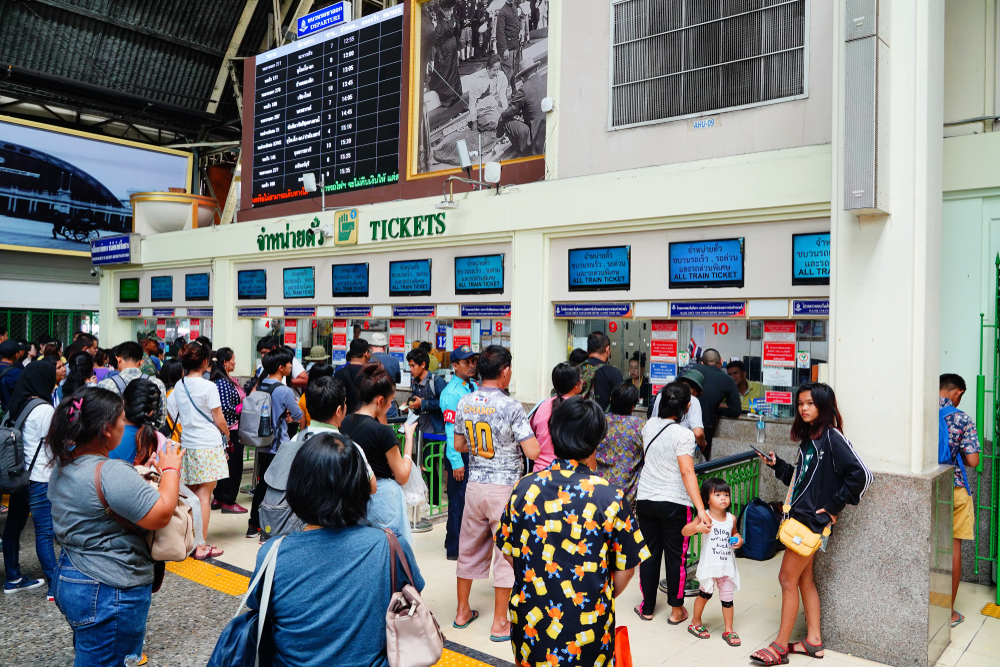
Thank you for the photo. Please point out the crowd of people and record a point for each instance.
(561, 503)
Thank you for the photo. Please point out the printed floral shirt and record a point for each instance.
(620, 452)
(962, 435)
(568, 531)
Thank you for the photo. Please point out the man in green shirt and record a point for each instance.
(749, 389)
(150, 348)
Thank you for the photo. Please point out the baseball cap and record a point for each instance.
(379, 339)
(463, 352)
(317, 353)
(9, 347)
(695, 377)
(147, 335)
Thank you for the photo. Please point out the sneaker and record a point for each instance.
(50, 598)
(142, 661)
(423, 526)
(216, 505)
(233, 509)
(252, 531)
(247, 489)
(22, 584)
(452, 556)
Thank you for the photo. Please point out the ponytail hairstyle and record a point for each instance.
(194, 356)
(80, 369)
(142, 407)
(375, 382)
(565, 376)
(80, 419)
(221, 356)
(674, 401)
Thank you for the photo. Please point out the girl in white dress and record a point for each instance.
(717, 565)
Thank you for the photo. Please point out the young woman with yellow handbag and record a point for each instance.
(827, 475)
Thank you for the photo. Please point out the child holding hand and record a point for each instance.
(717, 565)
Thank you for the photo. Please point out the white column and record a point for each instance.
(229, 330)
(885, 281)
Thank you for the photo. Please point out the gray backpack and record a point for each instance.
(257, 418)
(13, 475)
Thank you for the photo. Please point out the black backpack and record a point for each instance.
(758, 524)
(13, 475)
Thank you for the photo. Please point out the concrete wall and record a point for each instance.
(970, 64)
(586, 146)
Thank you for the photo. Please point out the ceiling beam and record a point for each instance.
(132, 27)
(234, 45)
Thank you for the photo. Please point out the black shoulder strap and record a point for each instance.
(6, 370)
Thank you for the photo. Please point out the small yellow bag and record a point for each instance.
(797, 537)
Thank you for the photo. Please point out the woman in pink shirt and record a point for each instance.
(567, 382)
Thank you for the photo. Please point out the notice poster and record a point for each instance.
(338, 336)
(195, 329)
(664, 330)
(776, 376)
(779, 331)
(778, 397)
(663, 350)
(397, 337)
(462, 333)
(290, 331)
(161, 328)
(779, 354)
(661, 374)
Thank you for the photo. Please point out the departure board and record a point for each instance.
(329, 104)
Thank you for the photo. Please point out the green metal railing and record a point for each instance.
(60, 324)
(986, 498)
(742, 473)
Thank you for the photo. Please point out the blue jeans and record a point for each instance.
(109, 624)
(387, 509)
(33, 500)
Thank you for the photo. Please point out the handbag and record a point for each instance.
(794, 534)
(412, 635)
(242, 641)
(174, 541)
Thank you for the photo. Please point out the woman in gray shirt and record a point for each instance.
(105, 577)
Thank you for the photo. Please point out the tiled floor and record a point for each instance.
(975, 643)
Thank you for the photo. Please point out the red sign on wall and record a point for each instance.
(397, 342)
(663, 349)
(779, 397)
(779, 354)
(339, 340)
(664, 325)
(290, 332)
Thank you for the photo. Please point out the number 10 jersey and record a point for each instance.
(494, 426)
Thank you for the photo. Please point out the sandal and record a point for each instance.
(699, 631)
(807, 649)
(680, 621)
(638, 612)
(475, 615)
(731, 638)
(958, 620)
(774, 654)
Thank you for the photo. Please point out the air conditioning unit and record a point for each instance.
(866, 60)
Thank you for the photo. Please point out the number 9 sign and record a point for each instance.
(612, 327)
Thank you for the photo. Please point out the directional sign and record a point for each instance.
(324, 18)
(815, 307)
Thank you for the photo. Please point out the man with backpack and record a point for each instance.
(958, 445)
(10, 371)
(598, 376)
(130, 357)
(425, 400)
(277, 366)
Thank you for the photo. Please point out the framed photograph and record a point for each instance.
(478, 74)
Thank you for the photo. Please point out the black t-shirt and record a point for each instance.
(350, 375)
(375, 438)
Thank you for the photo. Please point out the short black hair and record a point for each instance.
(952, 381)
(419, 357)
(624, 398)
(129, 351)
(267, 343)
(577, 426)
(324, 396)
(674, 401)
(577, 356)
(328, 482)
(715, 485)
(275, 359)
(492, 362)
(597, 341)
(565, 376)
(736, 363)
(320, 369)
(359, 348)
(425, 346)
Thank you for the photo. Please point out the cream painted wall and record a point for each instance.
(969, 64)
(587, 147)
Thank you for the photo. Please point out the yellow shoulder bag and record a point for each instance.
(794, 534)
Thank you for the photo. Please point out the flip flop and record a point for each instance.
(731, 638)
(499, 639)
(475, 615)
(680, 621)
(961, 619)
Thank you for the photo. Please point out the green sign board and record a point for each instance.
(128, 290)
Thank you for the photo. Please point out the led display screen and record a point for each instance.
(251, 284)
(600, 268)
(161, 288)
(715, 263)
(410, 278)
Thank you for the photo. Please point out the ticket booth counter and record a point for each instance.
(176, 303)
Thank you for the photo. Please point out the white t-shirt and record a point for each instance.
(717, 558)
(197, 431)
(660, 479)
(34, 429)
(692, 419)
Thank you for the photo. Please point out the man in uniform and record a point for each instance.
(494, 428)
(463, 365)
(509, 39)
(150, 348)
(527, 135)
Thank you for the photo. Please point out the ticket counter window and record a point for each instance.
(171, 329)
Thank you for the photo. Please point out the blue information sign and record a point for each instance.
(410, 278)
(413, 311)
(129, 312)
(660, 373)
(113, 250)
(817, 307)
(300, 283)
(600, 268)
(350, 280)
(485, 310)
(163, 312)
(479, 275)
(717, 263)
(352, 311)
(251, 284)
(338, 357)
(199, 312)
(442, 341)
(321, 19)
(300, 312)
(708, 309)
(161, 288)
(251, 312)
(811, 259)
(593, 310)
(196, 287)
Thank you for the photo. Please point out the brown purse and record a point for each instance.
(412, 635)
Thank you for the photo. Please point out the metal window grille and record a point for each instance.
(60, 324)
(678, 58)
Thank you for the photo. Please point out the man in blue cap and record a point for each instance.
(463, 364)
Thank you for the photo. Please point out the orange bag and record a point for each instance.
(623, 650)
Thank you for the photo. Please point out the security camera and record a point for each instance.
(96, 272)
